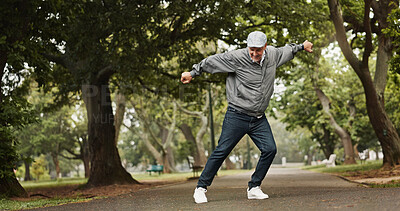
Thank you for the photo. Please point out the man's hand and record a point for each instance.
(308, 46)
(186, 77)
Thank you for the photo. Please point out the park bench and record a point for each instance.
(155, 168)
(363, 156)
(195, 168)
(331, 161)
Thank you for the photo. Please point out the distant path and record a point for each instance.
(288, 188)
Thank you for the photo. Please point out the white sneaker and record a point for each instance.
(256, 193)
(200, 195)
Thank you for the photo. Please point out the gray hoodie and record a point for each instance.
(249, 86)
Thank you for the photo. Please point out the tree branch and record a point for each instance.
(146, 87)
(341, 37)
(146, 123)
(165, 112)
(194, 113)
(376, 7)
(76, 157)
(105, 73)
(171, 128)
(368, 41)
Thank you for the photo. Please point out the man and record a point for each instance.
(249, 87)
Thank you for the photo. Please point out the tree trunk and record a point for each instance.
(197, 153)
(328, 144)
(166, 163)
(85, 157)
(168, 158)
(383, 127)
(3, 62)
(120, 101)
(229, 165)
(157, 155)
(27, 170)
(310, 155)
(86, 166)
(56, 162)
(171, 158)
(341, 132)
(382, 63)
(202, 131)
(164, 136)
(105, 165)
(199, 139)
(10, 187)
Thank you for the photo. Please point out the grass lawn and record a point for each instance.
(28, 185)
(343, 169)
(19, 204)
(7, 204)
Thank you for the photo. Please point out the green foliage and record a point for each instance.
(20, 23)
(39, 167)
(392, 94)
(53, 132)
(132, 149)
(393, 31)
(392, 99)
(15, 114)
(7, 153)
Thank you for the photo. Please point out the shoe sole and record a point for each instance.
(254, 197)
(200, 202)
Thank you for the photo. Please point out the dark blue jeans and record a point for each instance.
(234, 127)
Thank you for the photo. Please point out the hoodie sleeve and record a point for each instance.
(287, 53)
(218, 63)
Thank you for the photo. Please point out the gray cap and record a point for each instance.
(256, 39)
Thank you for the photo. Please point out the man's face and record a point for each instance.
(256, 53)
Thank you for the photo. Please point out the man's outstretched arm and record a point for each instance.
(218, 63)
(288, 52)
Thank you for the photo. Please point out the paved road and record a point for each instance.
(288, 188)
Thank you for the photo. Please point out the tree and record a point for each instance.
(199, 154)
(26, 148)
(52, 135)
(302, 109)
(20, 21)
(133, 152)
(157, 125)
(108, 41)
(39, 167)
(77, 137)
(343, 134)
(359, 21)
